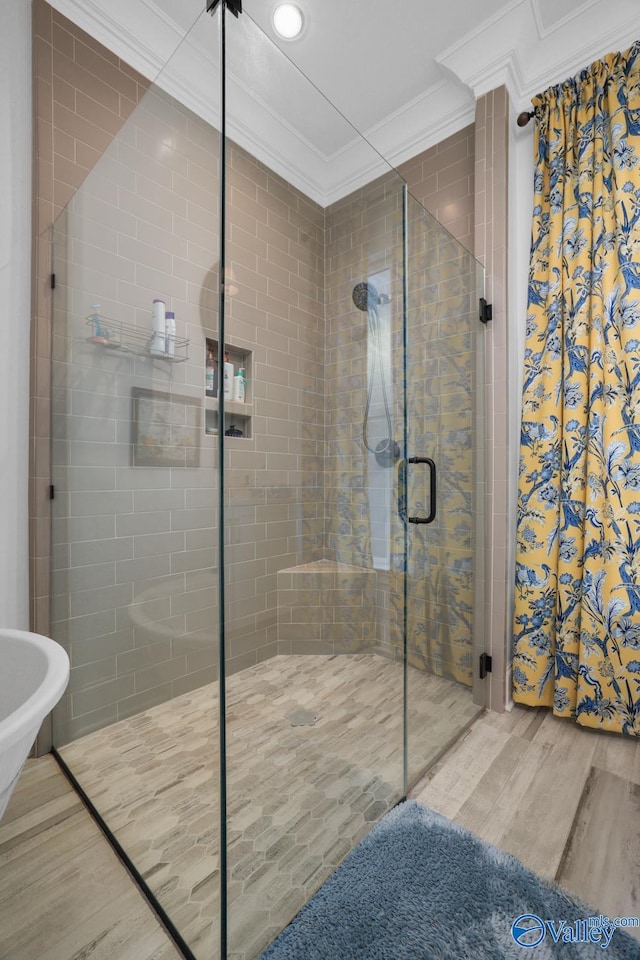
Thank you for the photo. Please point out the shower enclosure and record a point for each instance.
(271, 604)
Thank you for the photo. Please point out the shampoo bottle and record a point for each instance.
(238, 386)
(228, 378)
(98, 334)
(158, 342)
(170, 334)
(210, 380)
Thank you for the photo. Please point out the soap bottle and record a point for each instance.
(210, 379)
(228, 378)
(98, 335)
(238, 386)
(170, 334)
(158, 342)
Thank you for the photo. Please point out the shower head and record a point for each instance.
(365, 296)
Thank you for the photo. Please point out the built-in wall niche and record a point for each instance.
(237, 413)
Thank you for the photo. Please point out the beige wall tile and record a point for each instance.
(42, 20)
(80, 128)
(442, 179)
(490, 243)
(278, 251)
(91, 54)
(161, 223)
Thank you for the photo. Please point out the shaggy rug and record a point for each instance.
(419, 887)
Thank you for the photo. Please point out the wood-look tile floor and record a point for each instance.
(562, 799)
(63, 892)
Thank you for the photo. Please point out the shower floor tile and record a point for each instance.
(299, 796)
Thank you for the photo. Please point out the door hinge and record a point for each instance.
(52, 492)
(53, 281)
(486, 311)
(485, 665)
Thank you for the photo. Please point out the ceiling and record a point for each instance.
(372, 57)
(369, 82)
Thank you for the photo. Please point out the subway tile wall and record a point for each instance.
(137, 608)
(326, 606)
(442, 179)
(274, 484)
(365, 244)
(491, 244)
(67, 142)
(463, 181)
(134, 579)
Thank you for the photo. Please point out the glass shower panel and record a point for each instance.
(236, 768)
(135, 525)
(444, 557)
(315, 701)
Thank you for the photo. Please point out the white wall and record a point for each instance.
(15, 297)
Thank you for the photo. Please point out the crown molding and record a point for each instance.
(560, 23)
(185, 72)
(183, 68)
(487, 57)
(428, 119)
(595, 40)
(514, 48)
(511, 48)
(122, 26)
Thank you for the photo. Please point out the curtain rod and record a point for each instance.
(524, 117)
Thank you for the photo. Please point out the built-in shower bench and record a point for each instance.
(326, 607)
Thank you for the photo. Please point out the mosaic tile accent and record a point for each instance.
(300, 797)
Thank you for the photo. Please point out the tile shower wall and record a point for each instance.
(67, 142)
(275, 490)
(134, 584)
(321, 603)
(491, 244)
(442, 179)
(275, 515)
(464, 182)
(442, 319)
(364, 238)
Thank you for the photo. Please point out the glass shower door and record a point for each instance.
(313, 315)
(135, 520)
(444, 520)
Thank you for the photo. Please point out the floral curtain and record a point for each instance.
(577, 610)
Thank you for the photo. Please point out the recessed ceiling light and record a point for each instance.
(288, 21)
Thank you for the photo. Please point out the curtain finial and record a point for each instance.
(524, 117)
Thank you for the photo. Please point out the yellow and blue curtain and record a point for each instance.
(577, 597)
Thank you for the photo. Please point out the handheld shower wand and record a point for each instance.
(366, 298)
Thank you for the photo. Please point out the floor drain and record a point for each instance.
(302, 718)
